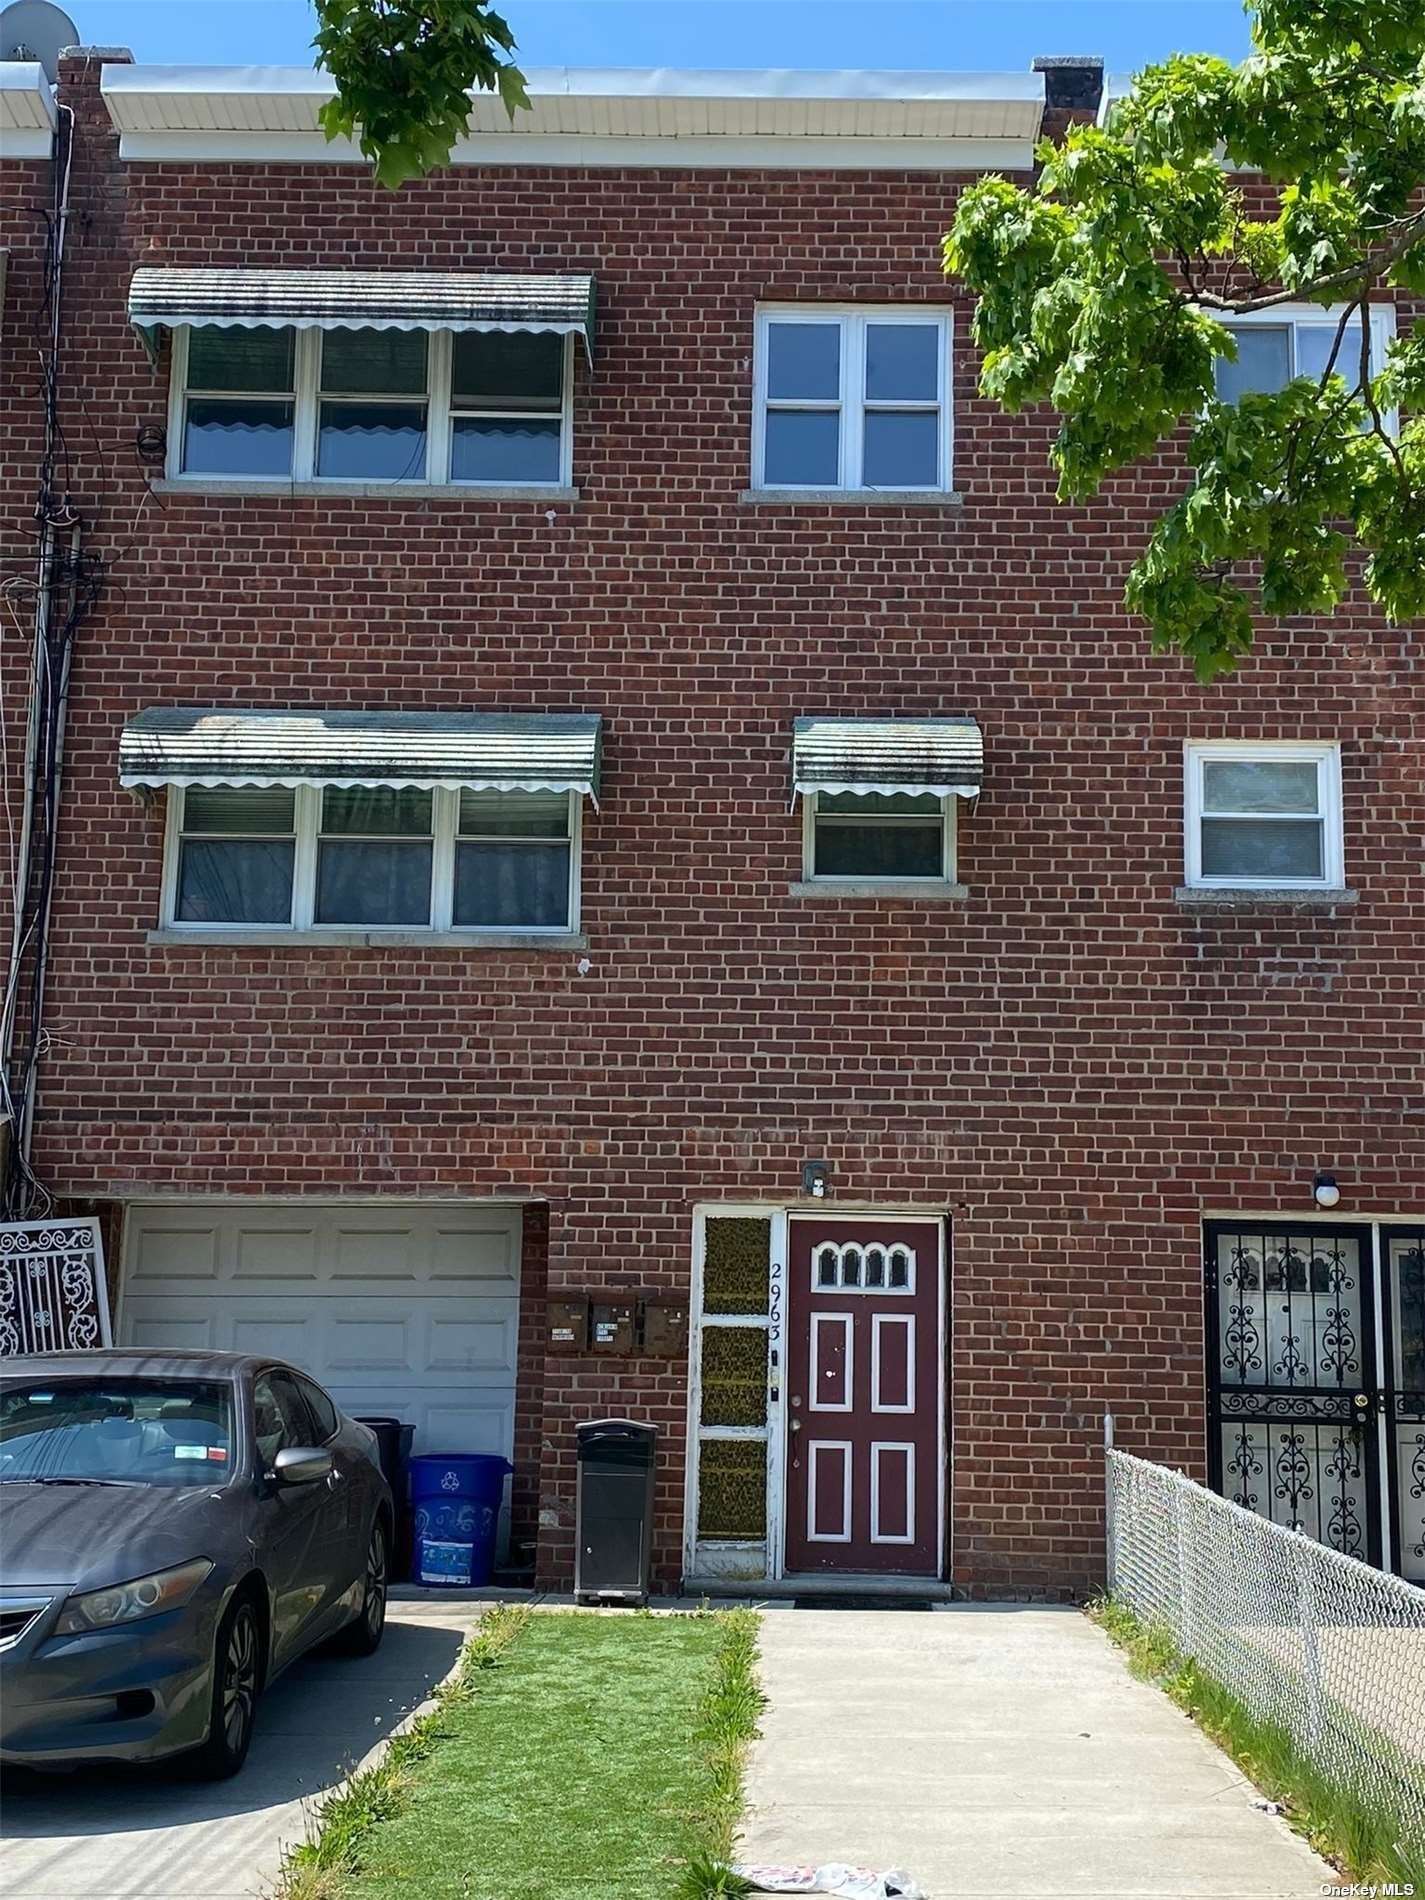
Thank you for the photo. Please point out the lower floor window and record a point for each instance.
(372, 857)
(512, 861)
(236, 856)
(879, 835)
(375, 856)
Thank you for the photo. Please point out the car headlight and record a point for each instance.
(127, 1602)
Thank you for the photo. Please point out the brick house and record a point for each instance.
(620, 855)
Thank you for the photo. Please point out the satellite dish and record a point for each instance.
(33, 29)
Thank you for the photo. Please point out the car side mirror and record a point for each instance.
(302, 1464)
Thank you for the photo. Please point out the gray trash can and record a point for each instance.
(614, 1511)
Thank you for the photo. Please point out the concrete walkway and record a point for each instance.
(153, 1835)
(1005, 1752)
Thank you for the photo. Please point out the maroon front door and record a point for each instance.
(863, 1397)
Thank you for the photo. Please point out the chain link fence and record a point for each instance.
(1323, 1646)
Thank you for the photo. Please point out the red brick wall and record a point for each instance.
(529, 1386)
(1069, 1061)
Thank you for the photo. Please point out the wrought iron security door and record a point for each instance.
(1294, 1431)
(1402, 1252)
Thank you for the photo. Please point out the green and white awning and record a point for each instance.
(941, 757)
(362, 300)
(474, 751)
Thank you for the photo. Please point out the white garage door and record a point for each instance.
(410, 1311)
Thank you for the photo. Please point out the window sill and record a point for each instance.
(933, 891)
(376, 939)
(371, 491)
(850, 498)
(1261, 897)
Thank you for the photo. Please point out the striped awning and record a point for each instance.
(362, 300)
(945, 757)
(476, 751)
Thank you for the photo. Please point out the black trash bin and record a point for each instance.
(614, 1511)
(393, 1451)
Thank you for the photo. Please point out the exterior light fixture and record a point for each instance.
(1324, 1190)
(814, 1179)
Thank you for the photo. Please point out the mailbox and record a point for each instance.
(611, 1327)
(665, 1328)
(614, 1510)
(568, 1325)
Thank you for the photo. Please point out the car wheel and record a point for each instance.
(237, 1676)
(362, 1637)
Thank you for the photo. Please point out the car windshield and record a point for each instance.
(117, 1431)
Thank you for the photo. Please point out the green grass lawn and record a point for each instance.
(572, 1774)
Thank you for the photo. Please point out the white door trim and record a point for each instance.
(878, 1320)
(703, 1212)
(780, 1217)
(878, 1445)
(847, 1323)
(939, 1218)
(814, 1448)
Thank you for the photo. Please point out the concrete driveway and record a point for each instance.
(132, 1835)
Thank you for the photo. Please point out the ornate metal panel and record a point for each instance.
(1291, 1331)
(53, 1296)
(1403, 1266)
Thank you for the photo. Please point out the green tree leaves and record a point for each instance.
(1104, 291)
(404, 71)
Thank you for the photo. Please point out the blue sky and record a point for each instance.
(968, 35)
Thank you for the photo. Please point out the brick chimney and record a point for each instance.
(1073, 87)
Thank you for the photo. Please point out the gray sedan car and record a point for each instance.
(175, 1529)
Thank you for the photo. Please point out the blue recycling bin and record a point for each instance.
(455, 1500)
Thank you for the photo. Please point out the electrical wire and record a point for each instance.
(75, 579)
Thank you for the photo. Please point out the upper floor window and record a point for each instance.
(1274, 346)
(372, 405)
(239, 401)
(852, 399)
(508, 408)
(879, 836)
(369, 857)
(1264, 815)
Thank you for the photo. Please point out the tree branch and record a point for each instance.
(1361, 276)
(1378, 427)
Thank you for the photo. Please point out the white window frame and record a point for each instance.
(306, 397)
(945, 875)
(421, 399)
(445, 834)
(850, 402)
(1327, 760)
(1291, 315)
(820, 1288)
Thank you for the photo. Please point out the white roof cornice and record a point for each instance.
(27, 110)
(609, 116)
